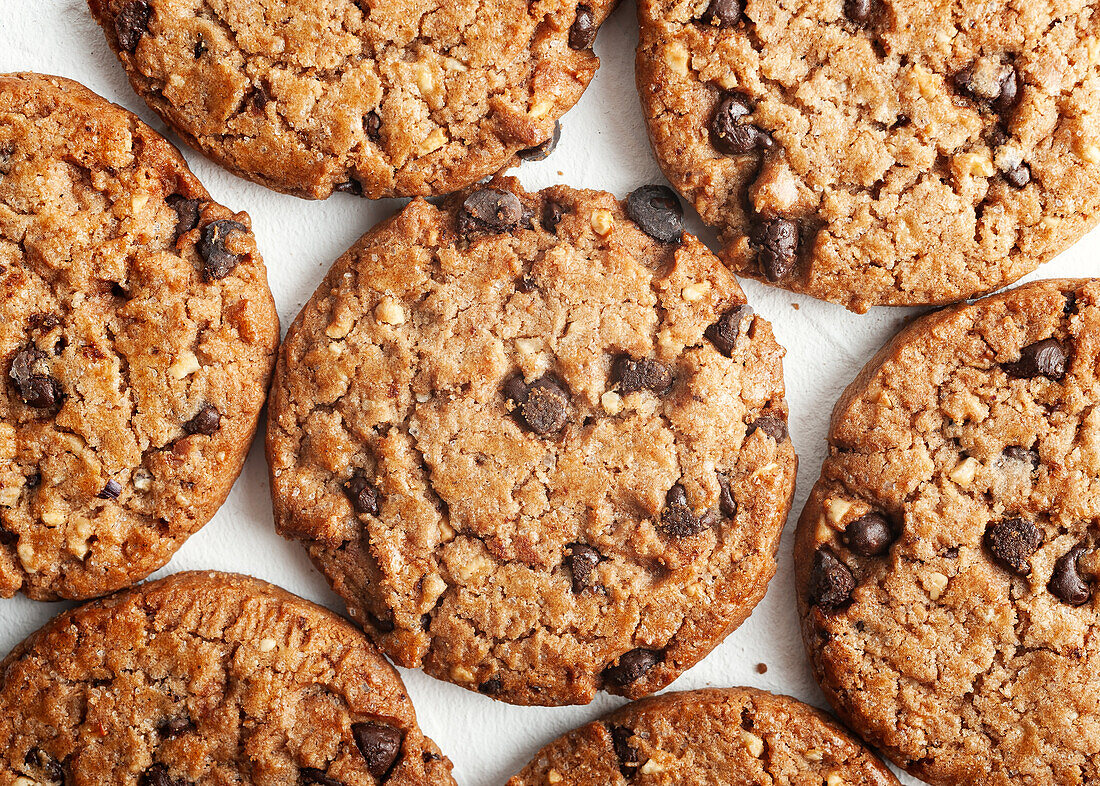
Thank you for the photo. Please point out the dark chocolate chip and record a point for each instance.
(260, 97)
(7, 538)
(1017, 177)
(36, 386)
(170, 728)
(379, 744)
(1009, 96)
(657, 212)
(1044, 358)
(1066, 583)
(582, 560)
(206, 421)
(723, 333)
(187, 213)
(645, 374)
(157, 775)
(859, 11)
(552, 214)
(543, 406)
(218, 261)
(118, 291)
(45, 322)
(1025, 455)
(582, 33)
(132, 23)
(112, 490)
(363, 495)
(775, 427)
(200, 47)
(870, 535)
(726, 503)
(831, 581)
(491, 687)
(350, 186)
(314, 775)
(490, 210)
(677, 517)
(379, 624)
(722, 13)
(372, 125)
(778, 248)
(632, 666)
(1008, 91)
(541, 151)
(729, 135)
(626, 753)
(1012, 542)
(33, 480)
(49, 766)
(1071, 304)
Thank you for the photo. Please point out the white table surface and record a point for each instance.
(603, 145)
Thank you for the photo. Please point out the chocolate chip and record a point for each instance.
(1018, 177)
(372, 125)
(657, 212)
(314, 775)
(490, 210)
(49, 766)
(859, 11)
(118, 291)
(187, 214)
(1010, 93)
(1012, 542)
(132, 23)
(350, 186)
(379, 624)
(870, 535)
(170, 728)
(1066, 583)
(552, 214)
(722, 13)
(632, 666)
(379, 744)
(729, 135)
(36, 386)
(582, 560)
(677, 518)
(582, 33)
(207, 421)
(543, 406)
(778, 248)
(112, 490)
(363, 494)
(218, 260)
(1044, 358)
(33, 480)
(723, 333)
(157, 775)
(200, 47)
(626, 753)
(542, 151)
(1071, 304)
(645, 374)
(831, 581)
(7, 538)
(970, 83)
(726, 503)
(775, 427)
(491, 687)
(260, 97)
(1025, 455)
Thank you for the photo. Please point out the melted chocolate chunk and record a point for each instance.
(33, 380)
(831, 581)
(626, 753)
(132, 23)
(582, 560)
(724, 333)
(207, 421)
(1012, 542)
(645, 374)
(380, 745)
(1044, 358)
(542, 151)
(490, 211)
(632, 666)
(218, 260)
(657, 212)
(363, 495)
(582, 33)
(1066, 583)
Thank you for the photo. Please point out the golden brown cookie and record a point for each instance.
(210, 678)
(379, 99)
(947, 559)
(879, 151)
(538, 451)
(137, 335)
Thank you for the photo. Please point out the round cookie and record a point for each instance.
(537, 451)
(948, 557)
(379, 99)
(720, 737)
(869, 152)
(137, 336)
(207, 678)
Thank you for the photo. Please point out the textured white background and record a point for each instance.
(603, 145)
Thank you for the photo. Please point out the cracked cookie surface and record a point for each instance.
(879, 151)
(537, 451)
(720, 737)
(947, 559)
(137, 335)
(379, 99)
(210, 678)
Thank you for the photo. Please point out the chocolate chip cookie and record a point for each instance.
(379, 99)
(879, 151)
(207, 678)
(729, 737)
(948, 558)
(537, 442)
(137, 335)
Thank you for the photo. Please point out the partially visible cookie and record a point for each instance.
(137, 335)
(871, 152)
(379, 99)
(538, 447)
(947, 560)
(721, 737)
(207, 678)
